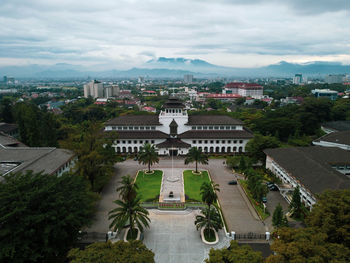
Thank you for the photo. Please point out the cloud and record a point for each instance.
(126, 33)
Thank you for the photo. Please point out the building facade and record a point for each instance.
(173, 132)
(253, 90)
(314, 169)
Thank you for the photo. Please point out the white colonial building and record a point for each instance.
(173, 132)
(314, 169)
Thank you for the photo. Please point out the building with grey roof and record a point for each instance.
(19, 158)
(315, 169)
(173, 131)
(335, 126)
(335, 139)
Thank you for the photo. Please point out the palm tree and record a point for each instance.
(208, 193)
(129, 211)
(210, 219)
(196, 155)
(128, 188)
(148, 155)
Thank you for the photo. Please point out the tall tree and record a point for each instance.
(128, 188)
(209, 196)
(295, 204)
(196, 155)
(96, 156)
(278, 218)
(119, 252)
(210, 219)
(6, 110)
(331, 215)
(259, 143)
(148, 155)
(129, 211)
(306, 245)
(41, 215)
(234, 254)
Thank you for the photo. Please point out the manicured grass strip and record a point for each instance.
(193, 184)
(258, 207)
(149, 185)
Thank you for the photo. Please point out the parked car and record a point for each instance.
(269, 183)
(233, 182)
(273, 187)
(264, 200)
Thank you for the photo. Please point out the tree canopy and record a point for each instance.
(40, 216)
(234, 254)
(119, 252)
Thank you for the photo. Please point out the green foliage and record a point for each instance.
(278, 218)
(40, 216)
(234, 254)
(214, 104)
(196, 155)
(96, 156)
(148, 155)
(238, 162)
(242, 165)
(36, 127)
(128, 188)
(192, 184)
(128, 213)
(306, 245)
(118, 252)
(255, 184)
(295, 204)
(6, 110)
(210, 219)
(208, 193)
(331, 216)
(258, 144)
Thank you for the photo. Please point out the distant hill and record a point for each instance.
(176, 68)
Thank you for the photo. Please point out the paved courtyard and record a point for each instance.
(173, 237)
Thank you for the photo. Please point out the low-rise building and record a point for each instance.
(335, 126)
(335, 139)
(16, 157)
(314, 169)
(325, 93)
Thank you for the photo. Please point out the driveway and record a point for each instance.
(239, 216)
(173, 237)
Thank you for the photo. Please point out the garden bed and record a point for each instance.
(257, 205)
(149, 185)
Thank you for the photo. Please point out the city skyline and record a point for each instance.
(123, 34)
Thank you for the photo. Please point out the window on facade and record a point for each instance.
(199, 141)
(211, 127)
(142, 128)
(233, 127)
(228, 141)
(153, 128)
(216, 127)
(131, 128)
(211, 141)
(217, 141)
(125, 128)
(222, 127)
(118, 141)
(146, 141)
(194, 141)
(129, 142)
(223, 141)
(205, 141)
(152, 141)
(124, 142)
(227, 127)
(194, 128)
(235, 141)
(135, 141)
(147, 128)
(141, 141)
(113, 128)
(204, 127)
(119, 128)
(199, 127)
(240, 141)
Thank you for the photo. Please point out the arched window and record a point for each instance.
(217, 150)
(240, 149)
(222, 149)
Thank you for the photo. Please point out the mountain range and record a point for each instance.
(175, 68)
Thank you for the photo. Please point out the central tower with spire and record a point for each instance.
(173, 117)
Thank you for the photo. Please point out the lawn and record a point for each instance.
(149, 185)
(193, 184)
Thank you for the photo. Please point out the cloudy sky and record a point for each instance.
(125, 33)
